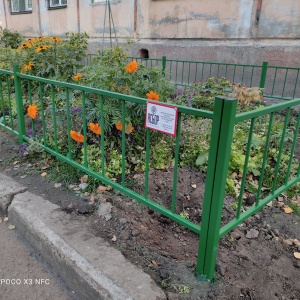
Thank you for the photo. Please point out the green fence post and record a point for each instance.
(263, 74)
(19, 102)
(218, 161)
(164, 64)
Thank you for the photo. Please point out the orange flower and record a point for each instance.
(152, 96)
(38, 49)
(95, 128)
(55, 39)
(77, 76)
(31, 111)
(128, 128)
(132, 67)
(76, 136)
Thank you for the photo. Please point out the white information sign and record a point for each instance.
(161, 117)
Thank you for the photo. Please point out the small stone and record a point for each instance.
(177, 230)
(187, 255)
(176, 235)
(83, 185)
(269, 226)
(85, 207)
(122, 221)
(104, 211)
(250, 200)
(125, 234)
(163, 273)
(135, 232)
(276, 231)
(236, 234)
(269, 237)
(252, 234)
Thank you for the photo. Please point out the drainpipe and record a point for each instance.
(135, 16)
(258, 11)
(78, 16)
(39, 16)
(5, 17)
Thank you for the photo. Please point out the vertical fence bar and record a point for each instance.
(42, 112)
(218, 161)
(245, 168)
(19, 102)
(293, 149)
(9, 102)
(146, 189)
(295, 87)
(251, 77)
(265, 156)
(54, 117)
(287, 116)
(123, 143)
(175, 177)
(102, 136)
(2, 103)
(164, 63)
(85, 158)
(68, 123)
(284, 83)
(263, 75)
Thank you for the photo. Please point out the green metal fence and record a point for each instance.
(223, 120)
(278, 82)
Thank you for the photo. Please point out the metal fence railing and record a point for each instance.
(278, 82)
(56, 122)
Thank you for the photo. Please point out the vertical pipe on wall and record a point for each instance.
(258, 11)
(135, 16)
(39, 16)
(5, 17)
(78, 16)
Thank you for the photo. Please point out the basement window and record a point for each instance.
(21, 6)
(53, 4)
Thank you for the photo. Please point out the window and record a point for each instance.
(21, 6)
(57, 3)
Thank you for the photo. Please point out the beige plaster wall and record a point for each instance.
(163, 19)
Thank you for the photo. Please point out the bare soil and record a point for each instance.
(255, 261)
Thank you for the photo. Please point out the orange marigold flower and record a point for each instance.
(76, 136)
(152, 96)
(77, 76)
(132, 67)
(128, 128)
(31, 111)
(95, 128)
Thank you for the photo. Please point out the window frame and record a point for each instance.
(27, 10)
(50, 5)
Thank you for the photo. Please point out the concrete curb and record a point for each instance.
(88, 264)
(8, 189)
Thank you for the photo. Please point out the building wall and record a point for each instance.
(248, 30)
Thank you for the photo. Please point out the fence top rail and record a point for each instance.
(145, 59)
(6, 72)
(213, 63)
(266, 110)
(284, 68)
(181, 109)
(197, 62)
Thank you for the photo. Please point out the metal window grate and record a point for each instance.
(57, 3)
(21, 5)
